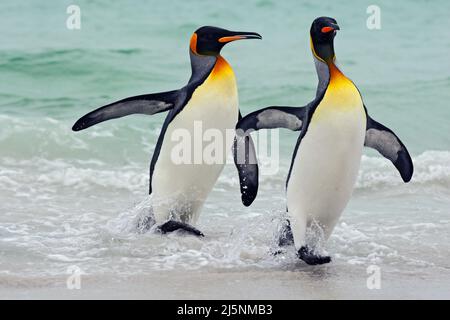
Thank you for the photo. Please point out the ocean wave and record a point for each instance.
(20, 60)
(432, 169)
(47, 151)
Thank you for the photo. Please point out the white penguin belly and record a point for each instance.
(326, 166)
(180, 189)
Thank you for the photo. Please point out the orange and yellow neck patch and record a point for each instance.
(221, 69)
(341, 99)
(337, 78)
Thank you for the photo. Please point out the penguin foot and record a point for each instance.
(285, 236)
(172, 225)
(310, 258)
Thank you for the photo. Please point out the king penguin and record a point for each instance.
(333, 127)
(209, 99)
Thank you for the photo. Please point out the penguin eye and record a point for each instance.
(327, 29)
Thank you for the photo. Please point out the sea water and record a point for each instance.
(69, 201)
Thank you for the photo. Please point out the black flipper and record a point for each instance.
(172, 225)
(244, 150)
(311, 258)
(389, 146)
(244, 156)
(273, 117)
(144, 104)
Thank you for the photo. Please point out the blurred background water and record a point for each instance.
(71, 198)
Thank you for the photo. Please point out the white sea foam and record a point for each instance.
(432, 168)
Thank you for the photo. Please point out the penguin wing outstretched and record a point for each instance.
(273, 117)
(143, 104)
(244, 155)
(244, 150)
(389, 146)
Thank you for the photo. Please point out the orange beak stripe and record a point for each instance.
(327, 29)
(232, 38)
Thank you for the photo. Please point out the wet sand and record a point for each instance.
(307, 283)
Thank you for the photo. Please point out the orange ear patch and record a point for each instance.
(193, 44)
(327, 29)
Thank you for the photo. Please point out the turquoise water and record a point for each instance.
(69, 198)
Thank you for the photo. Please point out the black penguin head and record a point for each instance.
(323, 31)
(210, 40)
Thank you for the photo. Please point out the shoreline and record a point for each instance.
(309, 283)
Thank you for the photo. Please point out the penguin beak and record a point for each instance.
(239, 36)
(333, 27)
